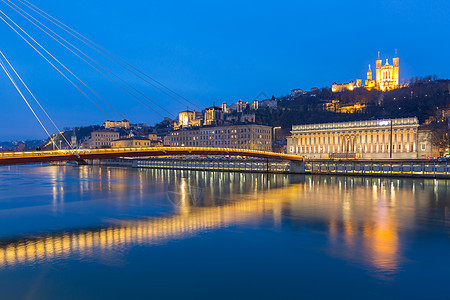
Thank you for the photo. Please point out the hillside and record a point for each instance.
(422, 99)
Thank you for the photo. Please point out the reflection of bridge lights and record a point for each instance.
(362, 220)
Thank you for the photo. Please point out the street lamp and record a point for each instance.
(390, 142)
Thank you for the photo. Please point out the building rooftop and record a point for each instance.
(124, 120)
(368, 123)
(133, 138)
(219, 126)
(104, 130)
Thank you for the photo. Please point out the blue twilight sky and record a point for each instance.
(216, 51)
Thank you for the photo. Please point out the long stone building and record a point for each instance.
(374, 139)
(248, 136)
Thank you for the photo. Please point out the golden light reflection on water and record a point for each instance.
(363, 218)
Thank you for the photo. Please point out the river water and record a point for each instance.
(119, 233)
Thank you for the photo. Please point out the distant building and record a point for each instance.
(213, 115)
(152, 136)
(187, 118)
(370, 83)
(224, 107)
(351, 109)
(248, 118)
(241, 118)
(117, 124)
(425, 147)
(268, 104)
(101, 138)
(359, 83)
(386, 77)
(240, 106)
(296, 93)
(360, 139)
(249, 136)
(135, 142)
(331, 105)
(343, 86)
(166, 140)
(334, 106)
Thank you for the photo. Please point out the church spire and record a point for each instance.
(369, 74)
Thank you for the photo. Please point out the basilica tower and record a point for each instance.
(370, 83)
(396, 69)
(378, 69)
(369, 74)
(387, 76)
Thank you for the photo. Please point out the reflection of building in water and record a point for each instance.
(363, 225)
(196, 195)
(153, 231)
(361, 215)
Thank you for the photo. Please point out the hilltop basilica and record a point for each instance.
(386, 78)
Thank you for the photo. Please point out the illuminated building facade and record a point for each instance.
(187, 118)
(386, 77)
(117, 124)
(296, 92)
(370, 83)
(334, 106)
(213, 115)
(375, 139)
(343, 86)
(248, 136)
(152, 136)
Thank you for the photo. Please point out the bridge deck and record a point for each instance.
(11, 158)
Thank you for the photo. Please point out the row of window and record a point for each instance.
(384, 138)
(106, 135)
(218, 137)
(354, 126)
(358, 148)
(212, 143)
(228, 145)
(360, 133)
(219, 131)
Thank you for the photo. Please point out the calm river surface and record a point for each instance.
(121, 233)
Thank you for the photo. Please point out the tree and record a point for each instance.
(440, 137)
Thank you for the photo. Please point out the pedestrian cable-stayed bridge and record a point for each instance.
(12, 158)
(129, 81)
(102, 62)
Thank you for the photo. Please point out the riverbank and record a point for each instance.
(389, 168)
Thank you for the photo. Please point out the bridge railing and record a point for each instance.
(163, 150)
